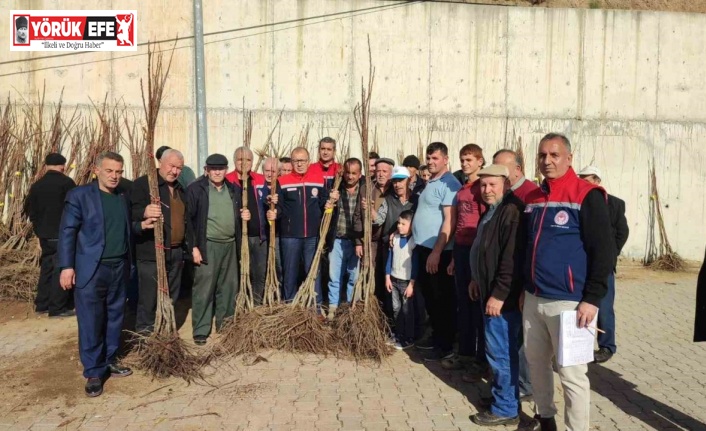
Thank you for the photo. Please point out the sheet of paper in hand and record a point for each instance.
(575, 344)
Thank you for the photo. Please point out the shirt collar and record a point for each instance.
(518, 184)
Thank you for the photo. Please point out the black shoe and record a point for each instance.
(437, 355)
(425, 344)
(546, 424)
(602, 355)
(489, 419)
(200, 341)
(486, 402)
(118, 370)
(66, 313)
(41, 311)
(94, 387)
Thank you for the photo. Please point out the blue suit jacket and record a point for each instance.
(82, 232)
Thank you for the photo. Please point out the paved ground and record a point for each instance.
(655, 382)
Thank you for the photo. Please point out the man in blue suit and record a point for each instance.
(94, 258)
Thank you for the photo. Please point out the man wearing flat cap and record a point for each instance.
(496, 270)
(213, 231)
(412, 164)
(44, 205)
(21, 27)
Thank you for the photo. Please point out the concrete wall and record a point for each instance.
(625, 86)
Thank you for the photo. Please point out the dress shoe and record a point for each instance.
(489, 419)
(66, 313)
(118, 370)
(602, 355)
(94, 387)
(547, 424)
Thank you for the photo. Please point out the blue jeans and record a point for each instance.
(343, 268)
(501, 338)
(606, 318)
(471, 341)
(293, 251)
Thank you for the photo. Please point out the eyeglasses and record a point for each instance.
(299, 161)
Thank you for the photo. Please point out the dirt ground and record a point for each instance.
(655, 5)
(42, 382)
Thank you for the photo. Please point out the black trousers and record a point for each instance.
(50, 296)
(147, 275)
(258, 266)
(379, 258)
(439, 298)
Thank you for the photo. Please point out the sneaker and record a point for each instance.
(331, 313)
(437, 355)
(476, 372)
(403, 345)
(425, 344)
(457, 362)
(602, 355)
(489, 419)
(200, 341)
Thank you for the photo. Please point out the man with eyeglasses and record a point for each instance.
(301, 198)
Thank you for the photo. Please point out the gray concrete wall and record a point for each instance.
(625, 86)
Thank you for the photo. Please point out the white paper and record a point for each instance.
(575, 344)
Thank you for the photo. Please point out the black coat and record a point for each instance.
(45, 203)
(502, 252)
(700, 321)
(144, 244)
(619, 223)
(197, 204)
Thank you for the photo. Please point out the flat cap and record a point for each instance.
(385, 160)
(590, 170)
(54, 159)
(411, 161)
(494, 171)
(217, 161)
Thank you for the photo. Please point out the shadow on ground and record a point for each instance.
(625, 396)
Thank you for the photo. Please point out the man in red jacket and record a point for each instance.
(520, 187)
(570, 254)
(301, 200)
(257, 225)
(326, 166)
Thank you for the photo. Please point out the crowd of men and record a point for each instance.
(487, 257)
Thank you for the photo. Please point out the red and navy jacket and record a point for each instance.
(261, 192)
(300, 204)
(329, 173)
(569, 248)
